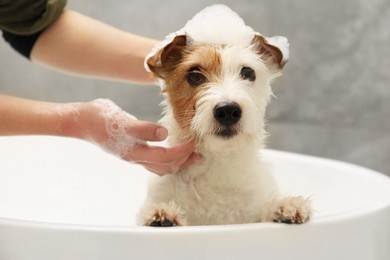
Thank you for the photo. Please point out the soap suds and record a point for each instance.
(116, 121)
(219, 25)
(106, 125)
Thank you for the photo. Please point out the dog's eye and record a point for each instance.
(195, 77)
(248, 73)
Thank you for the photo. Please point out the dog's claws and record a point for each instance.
(155, 224)
(165, 215)
(161, 223)
(167, 223)
(290, 210)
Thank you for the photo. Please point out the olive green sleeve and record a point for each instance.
(26, 17)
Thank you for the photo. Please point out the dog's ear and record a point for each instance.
(274, 51)
(166, 58)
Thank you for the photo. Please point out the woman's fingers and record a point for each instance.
(163, 160)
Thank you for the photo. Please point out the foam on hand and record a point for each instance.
(116, 121)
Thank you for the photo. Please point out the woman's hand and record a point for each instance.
(104, 123)
(101, 122)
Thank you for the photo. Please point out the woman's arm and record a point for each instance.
(100, 122)
(21, 116)
(77, 44)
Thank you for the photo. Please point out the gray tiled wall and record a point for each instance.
(334, 98)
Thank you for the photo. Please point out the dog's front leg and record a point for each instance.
(290, 210)
(164, 215)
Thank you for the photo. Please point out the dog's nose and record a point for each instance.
(227, 113)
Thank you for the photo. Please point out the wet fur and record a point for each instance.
(230, 184)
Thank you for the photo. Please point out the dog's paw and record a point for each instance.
(166, 215)
(290, 210)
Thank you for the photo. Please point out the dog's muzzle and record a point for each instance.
(227, 115)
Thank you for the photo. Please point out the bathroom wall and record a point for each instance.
(333, 100)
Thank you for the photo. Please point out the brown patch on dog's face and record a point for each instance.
(185, 84)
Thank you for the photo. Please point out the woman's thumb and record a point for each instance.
(148, 131)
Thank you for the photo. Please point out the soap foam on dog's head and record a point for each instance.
(218, 25)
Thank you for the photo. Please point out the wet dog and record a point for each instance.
(216, 93)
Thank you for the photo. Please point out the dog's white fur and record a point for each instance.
(230, 184)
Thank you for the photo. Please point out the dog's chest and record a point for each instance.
(215, 194)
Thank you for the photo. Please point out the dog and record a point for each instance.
(216, 91)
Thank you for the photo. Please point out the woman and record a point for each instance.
(68, 41)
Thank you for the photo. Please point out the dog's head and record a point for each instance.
(218, 91)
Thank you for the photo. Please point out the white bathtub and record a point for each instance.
(66, 199)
